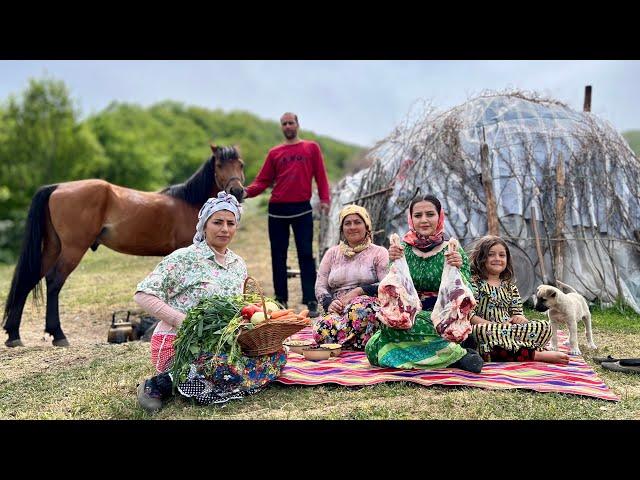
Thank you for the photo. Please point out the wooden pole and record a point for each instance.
(587, 98)
(561, 201)
(487, 183)
(534, 227)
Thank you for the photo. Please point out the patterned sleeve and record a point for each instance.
(381, 266)
(163, 281)
(322, 279)
(516, 301)
(476, 294)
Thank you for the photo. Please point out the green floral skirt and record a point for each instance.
(420, 347)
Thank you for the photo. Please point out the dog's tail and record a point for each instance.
(566, 287)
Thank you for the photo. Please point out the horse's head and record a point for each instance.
(229, 170)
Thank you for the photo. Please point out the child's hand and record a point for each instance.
(518, 319)
(453, 258)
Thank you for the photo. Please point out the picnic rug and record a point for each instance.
(353, 369)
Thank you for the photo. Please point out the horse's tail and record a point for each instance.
(26, 275)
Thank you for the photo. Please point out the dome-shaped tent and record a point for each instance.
(592, 245)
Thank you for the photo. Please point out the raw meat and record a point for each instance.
(398, 297)
(455, 301)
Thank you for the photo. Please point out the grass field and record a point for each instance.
(93, 379)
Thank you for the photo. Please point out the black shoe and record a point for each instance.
(313, 309)
(153, 391)
(149, 397)
(471, 362)
(470, 343)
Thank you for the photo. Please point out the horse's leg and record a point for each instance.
(56, 278)
(28, 271)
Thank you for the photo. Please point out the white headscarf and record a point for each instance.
(224, 201)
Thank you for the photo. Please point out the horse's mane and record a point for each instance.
(197, 189)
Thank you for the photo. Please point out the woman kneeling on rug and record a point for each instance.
(421, 346)
(502, 332)
(178, 283)
(347, 283)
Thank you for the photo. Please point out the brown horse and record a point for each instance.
(67, 219)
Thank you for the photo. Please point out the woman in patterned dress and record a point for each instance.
(205, 268)
(347, 283)
(425, 250)
(502, 332)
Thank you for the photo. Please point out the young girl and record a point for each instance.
(501, 330)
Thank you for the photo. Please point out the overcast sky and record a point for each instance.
(358, 102)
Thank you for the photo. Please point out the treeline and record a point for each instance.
(43, 140)
(633, 138)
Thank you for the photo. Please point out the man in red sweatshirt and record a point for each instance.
(289, 168)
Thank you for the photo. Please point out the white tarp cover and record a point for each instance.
(439, 153)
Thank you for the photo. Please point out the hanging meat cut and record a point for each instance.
(398, 297)
(455, 302)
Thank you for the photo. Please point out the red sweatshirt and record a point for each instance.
(291, 167)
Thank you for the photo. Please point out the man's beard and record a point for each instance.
(290, 135)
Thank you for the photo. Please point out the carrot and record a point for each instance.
(290, 316)
(281, 313)
(304, 313)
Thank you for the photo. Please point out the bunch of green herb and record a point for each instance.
(213, 327)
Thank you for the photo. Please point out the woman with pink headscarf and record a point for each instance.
(420, 347)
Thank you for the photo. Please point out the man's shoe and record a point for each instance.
(313, 309)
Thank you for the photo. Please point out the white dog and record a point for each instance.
(566, 308)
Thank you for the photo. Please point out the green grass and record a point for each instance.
(95, 380)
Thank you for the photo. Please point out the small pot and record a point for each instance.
(316, 354)
(335, 348)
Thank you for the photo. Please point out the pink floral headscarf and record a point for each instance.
(413, 238)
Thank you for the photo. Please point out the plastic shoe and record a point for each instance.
(624, 361)
(148, 398)
(618, 367)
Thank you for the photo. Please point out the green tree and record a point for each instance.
(41, 142)
(633, 137)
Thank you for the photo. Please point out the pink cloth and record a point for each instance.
(162, 351)
(170, 318)
(339, 274)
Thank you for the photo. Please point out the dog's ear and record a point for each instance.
(553, 294)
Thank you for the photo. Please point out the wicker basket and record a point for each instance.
(267, 337)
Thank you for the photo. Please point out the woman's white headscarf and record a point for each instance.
(224, 201)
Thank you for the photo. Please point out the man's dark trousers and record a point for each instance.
(279, 237)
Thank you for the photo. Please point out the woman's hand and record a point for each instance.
(518, 319)
(351, 295)
(395, 252)
(453, 258)
(336, 307)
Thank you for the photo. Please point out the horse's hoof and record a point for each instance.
(61, 342)
(14, 343)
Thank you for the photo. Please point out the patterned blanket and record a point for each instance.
(353, 369)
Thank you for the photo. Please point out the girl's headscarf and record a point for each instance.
(422, 243)
(223, 201)
(362, 212)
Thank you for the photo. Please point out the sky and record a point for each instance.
(355, 101)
